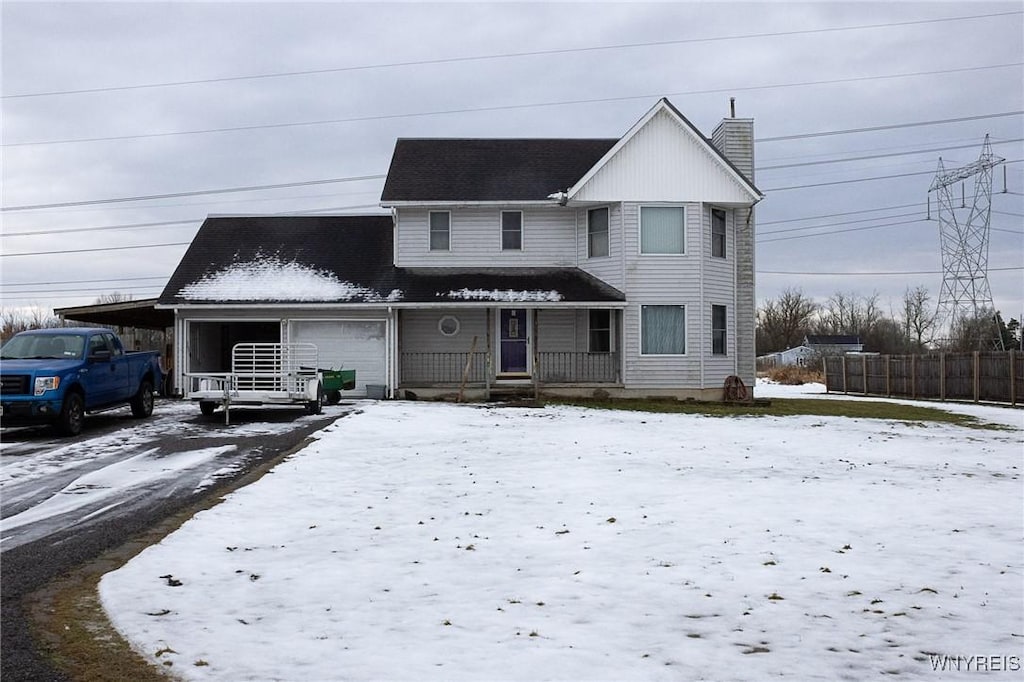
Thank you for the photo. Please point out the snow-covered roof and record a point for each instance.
(347, 260)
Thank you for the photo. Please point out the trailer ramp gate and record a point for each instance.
(262, 373)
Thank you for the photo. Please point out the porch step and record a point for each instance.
(511, 393)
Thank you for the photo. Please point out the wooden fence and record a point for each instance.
(992, 376)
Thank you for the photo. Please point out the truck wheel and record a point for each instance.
(207, 407)
(142, 402)
(316, 406)
(72, 415)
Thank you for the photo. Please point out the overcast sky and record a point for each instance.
(168, 101)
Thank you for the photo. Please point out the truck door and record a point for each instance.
(122, 367)
(100, 379)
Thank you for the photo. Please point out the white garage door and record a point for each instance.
(354, 345)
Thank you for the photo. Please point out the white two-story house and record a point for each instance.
(621, 266)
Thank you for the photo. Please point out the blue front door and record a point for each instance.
(514, 341)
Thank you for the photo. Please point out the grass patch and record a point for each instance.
(792, 407)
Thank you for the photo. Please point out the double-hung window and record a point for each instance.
(717, 233)
(597, 232)
(662, 229)
(511, 230)
(600, 332)
(440, 231)
(718, 327)
(662, 330)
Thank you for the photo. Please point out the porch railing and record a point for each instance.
(443, 368)
(551, 367)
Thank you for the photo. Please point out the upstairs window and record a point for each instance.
(662, 330)
(440, 231)
(718, 333)
(662, 229)
(600, 334)
(597, 232)
(511, 230)
(717, 233)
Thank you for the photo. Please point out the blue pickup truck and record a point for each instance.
(56, 376)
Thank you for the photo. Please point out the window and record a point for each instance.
(440, 230)
(448, 325)
(662, 330)
(718, 337)
(662, 229)
(717, 233)
(597, 232)
(600, 334)
(511, 230)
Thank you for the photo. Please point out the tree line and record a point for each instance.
(913, 327)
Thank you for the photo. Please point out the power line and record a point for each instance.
(108, 248)
(844, 222)
(879, 156)
(508, 55)
(853, 180)
(849, 229)
(872, 129)
(871, 274)
(837, 215)
(101, 228)
(251, 188)
(83, 281)
(509, 107)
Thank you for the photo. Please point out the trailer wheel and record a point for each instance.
(207, 407)
(316, 406)
(72, 415)
(333, 397)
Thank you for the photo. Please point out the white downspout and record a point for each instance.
(703, 340)
(735, 303)
(389, 340)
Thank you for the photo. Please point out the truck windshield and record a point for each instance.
(39, 346)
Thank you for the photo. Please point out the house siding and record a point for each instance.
(549, 235)
(607, 268)
(662, 280)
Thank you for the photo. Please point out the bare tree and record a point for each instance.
(918, 318)
(783, 322)
(849, 313)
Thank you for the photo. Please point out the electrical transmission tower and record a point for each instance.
(965, 301)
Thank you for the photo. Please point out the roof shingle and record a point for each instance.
(488, 169)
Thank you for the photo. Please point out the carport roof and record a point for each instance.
(138, 314)
(313, 260)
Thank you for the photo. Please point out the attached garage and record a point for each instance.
(347, 344)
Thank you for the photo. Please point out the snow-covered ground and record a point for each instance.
(428, 541)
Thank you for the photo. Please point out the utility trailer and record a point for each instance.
(262, 374)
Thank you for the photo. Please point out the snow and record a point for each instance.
(271, 279)
(112, 481)
(430, 541)
(505, 295)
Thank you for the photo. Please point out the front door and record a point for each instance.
(514, 341)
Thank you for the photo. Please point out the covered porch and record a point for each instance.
(488, 349)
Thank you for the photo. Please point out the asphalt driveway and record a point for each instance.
(65, 501)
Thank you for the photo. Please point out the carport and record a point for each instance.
(128, 314)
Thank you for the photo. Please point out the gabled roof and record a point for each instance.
(488, 169)
(346, 260)
(510, 170)
(663, 105)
